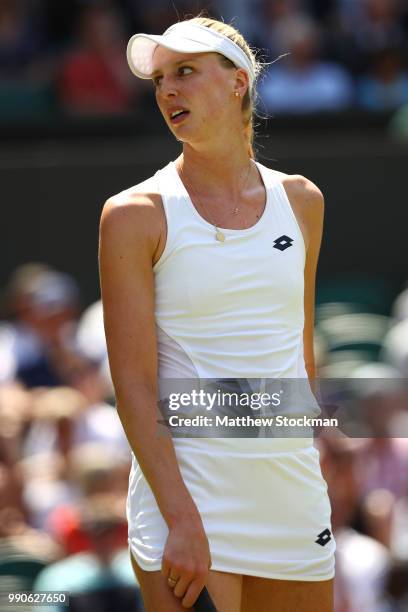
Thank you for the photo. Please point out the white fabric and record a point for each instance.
(235, 309)
(261, 513)
(184, 37)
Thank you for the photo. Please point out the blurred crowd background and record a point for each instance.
(68, 56)
(64, 459)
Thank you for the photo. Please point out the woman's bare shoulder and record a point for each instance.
(302, 187)
(301, 191)
(299, 186)
(141, 195)
(138, 208)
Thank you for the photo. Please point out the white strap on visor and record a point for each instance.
(184, 37)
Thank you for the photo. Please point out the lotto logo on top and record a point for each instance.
(324, 537)
(282, 243)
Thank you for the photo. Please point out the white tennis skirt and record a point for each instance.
(263, 503)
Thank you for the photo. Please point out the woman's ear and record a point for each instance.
(241, 82)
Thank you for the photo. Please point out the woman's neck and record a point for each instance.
(215, 174)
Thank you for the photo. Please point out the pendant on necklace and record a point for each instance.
(219, 235)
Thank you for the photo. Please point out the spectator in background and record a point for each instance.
(44, 304)
(361, 561)
(24, 551)
(21, 37)
(382, 462)
(25, 71)
(15, 415)
(385, 87)
(244, 14)
(55, 413)
(94, 76)
(302, 82)
(396, 588)
(276, 13)
(380, 25)
(101, 578)
(64, 417)
(91, 342)
(349, 12)
(91, 470)
(55, 432)
(158, 15)
(341, 45)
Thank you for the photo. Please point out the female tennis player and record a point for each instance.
(208, 271)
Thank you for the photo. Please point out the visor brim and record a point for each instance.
(141, 48)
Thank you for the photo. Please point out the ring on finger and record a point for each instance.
(172, 581)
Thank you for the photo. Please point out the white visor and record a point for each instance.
(184, 37)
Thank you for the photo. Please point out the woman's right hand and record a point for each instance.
(187, 559)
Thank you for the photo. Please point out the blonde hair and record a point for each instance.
(249, 99)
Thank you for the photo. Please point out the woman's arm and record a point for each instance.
(129, 237)
(308, 205)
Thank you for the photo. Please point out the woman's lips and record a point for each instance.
(179, 118)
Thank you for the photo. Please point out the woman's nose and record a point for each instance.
(168, 88)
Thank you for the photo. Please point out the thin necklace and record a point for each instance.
(219, 234)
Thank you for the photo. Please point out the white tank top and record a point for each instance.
(233, 309)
